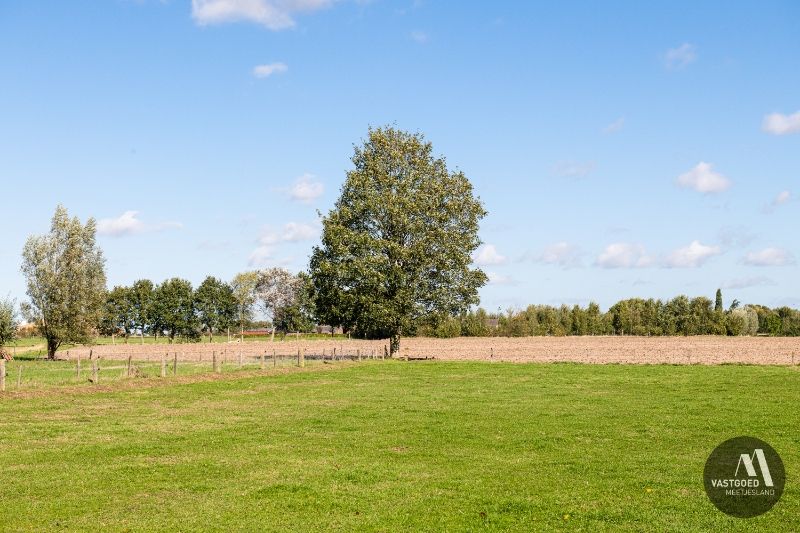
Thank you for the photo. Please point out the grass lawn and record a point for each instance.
(392, 446)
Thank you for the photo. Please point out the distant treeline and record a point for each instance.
(174, 309)
(635, 316)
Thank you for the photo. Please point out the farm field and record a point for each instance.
(393, 446)
(588, 349)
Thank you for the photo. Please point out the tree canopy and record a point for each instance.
(396, 248)
(65, 273)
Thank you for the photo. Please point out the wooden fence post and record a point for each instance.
(214, 362)
(274, 359)
(261, 362)
(298, 357)
(78, 367)
(163, 365)
(19, 377)
(95, 371)
(130, 357)
(359, 355)
(2, 374)
(175, 365)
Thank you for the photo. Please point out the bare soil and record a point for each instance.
(595, 350)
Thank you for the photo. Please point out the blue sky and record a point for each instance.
(623, 149)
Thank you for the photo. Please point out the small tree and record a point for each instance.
(118, 315)
(276, 291)
(215, 304)
(66, 281)
(718, 303)
(8, 323)
(244, 292)
(299, 316)
(396, 248)
(141, 296)
(173, 309)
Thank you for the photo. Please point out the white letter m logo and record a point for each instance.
(751, 470)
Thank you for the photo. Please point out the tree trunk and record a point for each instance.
(52, 346)
(394, 344)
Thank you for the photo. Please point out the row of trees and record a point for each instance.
(174, 309)
(678, 316)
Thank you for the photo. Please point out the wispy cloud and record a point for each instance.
(702, 178)
(272, 14)
(615, 126)
(746, 283)
(128, 223)
(499, 279)
(779, 124)
(291, 232)
(680, 57)
(265, 71)
(782, 198)
(574, 169)
(769, 257)
(419, 37)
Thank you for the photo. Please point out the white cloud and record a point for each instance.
(272, 14)
(419, 37)
(487, 255)
(128, 223)
(574, 169)
(744, 283)
(261, 256)
(624, 255)
(691, 256)
(265, 71)
(291, 232)
(778, 124)
(769, 257)
(702, 178)
(782, 198)
(615, 126)
(499, 279)
(306, 189)
(294, 232)
(562, 254)
(677, 58)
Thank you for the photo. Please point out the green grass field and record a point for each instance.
(392, 446)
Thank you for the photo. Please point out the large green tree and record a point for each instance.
(215, 304)
(65, 272)
(396, 248)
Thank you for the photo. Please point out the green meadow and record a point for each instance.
(387, 446)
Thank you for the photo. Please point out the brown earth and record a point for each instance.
(597, 350)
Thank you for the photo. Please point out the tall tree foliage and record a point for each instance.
(173, 310)
(65, 273)
(8, 322)
(277, 290)
(244, 292)
(396, 249)
(215, 304)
